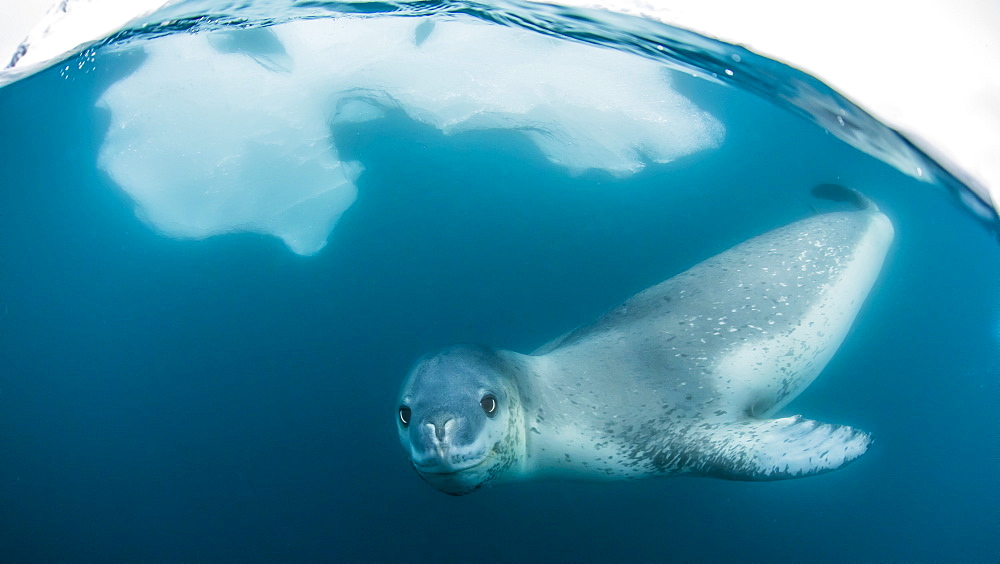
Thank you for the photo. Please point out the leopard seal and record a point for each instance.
(682, 378)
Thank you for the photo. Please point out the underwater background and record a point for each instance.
(226, 399)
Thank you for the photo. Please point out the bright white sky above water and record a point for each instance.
(923, 67)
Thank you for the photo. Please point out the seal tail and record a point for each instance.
(839, 193)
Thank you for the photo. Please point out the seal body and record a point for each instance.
(680, 379)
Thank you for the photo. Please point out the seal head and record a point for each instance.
(460, 418)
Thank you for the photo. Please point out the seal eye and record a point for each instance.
(404, 415)
(489, 403)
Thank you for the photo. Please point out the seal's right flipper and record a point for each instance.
(777, 449)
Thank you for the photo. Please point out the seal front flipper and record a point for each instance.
(775, 449)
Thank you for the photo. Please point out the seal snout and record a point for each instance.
(442, 427)
(440, 431)
(438, 436)
(442, 446)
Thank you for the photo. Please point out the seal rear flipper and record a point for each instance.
(778, 449)
(838, 193)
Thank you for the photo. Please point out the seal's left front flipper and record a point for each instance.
(777, 449)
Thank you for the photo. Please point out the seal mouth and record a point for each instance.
(442, 470)
(457, 481)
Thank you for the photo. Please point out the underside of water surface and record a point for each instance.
(227, 235)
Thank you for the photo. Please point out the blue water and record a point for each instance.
(226, 399)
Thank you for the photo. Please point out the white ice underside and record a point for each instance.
(884, 67)
(219, 133)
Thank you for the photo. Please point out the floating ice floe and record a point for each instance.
(231, 131)
(884, 67)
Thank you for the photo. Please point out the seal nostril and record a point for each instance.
(441, 431)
